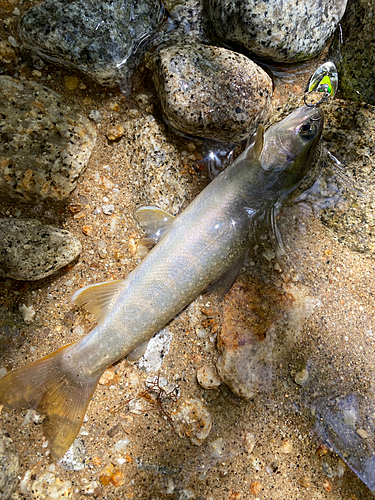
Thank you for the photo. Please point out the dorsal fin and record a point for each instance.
(257, 146)
(97, 299)
(155, 222)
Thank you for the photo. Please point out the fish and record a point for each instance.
(205, 244)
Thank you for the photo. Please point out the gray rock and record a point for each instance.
(210, 91)
(355, 57)
(31, 251)
(44, 145)
(9, 466)
(279, 30)
(102, 39)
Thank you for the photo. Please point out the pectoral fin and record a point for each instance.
(138, 352)
(256, 149)
(224, 283)
(155, 222)
(97, 299)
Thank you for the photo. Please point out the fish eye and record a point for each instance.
(307, 130)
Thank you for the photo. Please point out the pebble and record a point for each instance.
(108, 209)
(211, 92)
(95, 115)
(111, 474)
(157, 349)
(31, 251)
(115, 132)
(355, 58)
(301, 377)
(286, 447)
(100, 39)
(9, 466)
(71, 82)
(120, 445)
(46, 145)
(28, 313)
(47, 486)
(76, 456)
(249, 442)
(255, 488)
(193, 420)
(278, 30)
(207, 377)
(7, 54)
(217, 448)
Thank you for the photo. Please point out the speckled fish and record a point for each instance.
(205, 243)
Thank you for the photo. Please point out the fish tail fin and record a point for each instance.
(49, 387)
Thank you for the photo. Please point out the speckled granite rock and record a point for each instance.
(155, 165)
(30, 250)
(9, 466)
(279, 30)
(355, 57)
(102, 39)
(345, 199)
(210, 91)
(259, 323)
(44, 145)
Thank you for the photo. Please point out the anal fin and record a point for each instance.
(98, 298)
(155, 222)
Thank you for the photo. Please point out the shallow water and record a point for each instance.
(332, 313)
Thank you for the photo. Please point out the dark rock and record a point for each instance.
(101, 39)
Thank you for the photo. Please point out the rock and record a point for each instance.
(156, 350)
(344, 196)
(355, 58)
(257, 318)
(31, 251)
(279, 30)
(48, 486)
(155, 164)
(76, 456)
(210, 91)
(217, 448)
(249, 442)
(45, 145)
(9, 466)
(192, 419)
(115, 132)
(207, 377)
(102, 39)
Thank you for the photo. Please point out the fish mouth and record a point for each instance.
(315, 114)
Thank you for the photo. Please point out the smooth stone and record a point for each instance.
(30, 250)
(278, 30)
(211, 92)
(45, 145)
(355, 57)
(260, 323)
(9, 466)
(102, 39)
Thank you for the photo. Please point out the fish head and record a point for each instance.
(289, 149)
